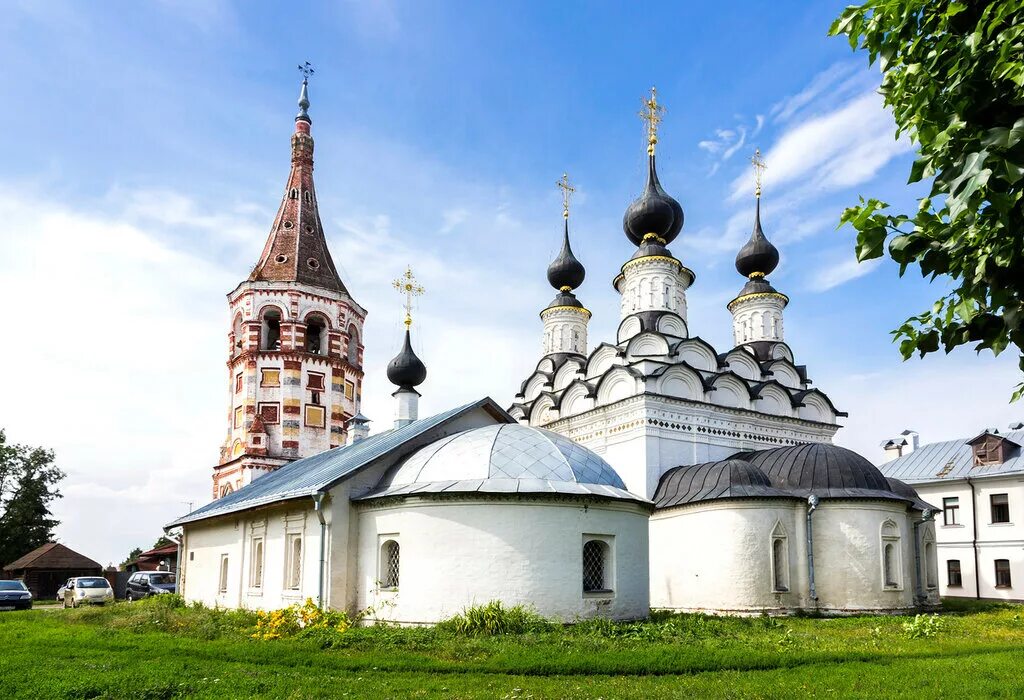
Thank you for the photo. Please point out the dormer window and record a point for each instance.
(989, 449)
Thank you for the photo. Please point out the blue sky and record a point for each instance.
(145, 146)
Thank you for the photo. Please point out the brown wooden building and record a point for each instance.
(45, 569)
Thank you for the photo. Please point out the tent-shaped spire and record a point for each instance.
(296, 249)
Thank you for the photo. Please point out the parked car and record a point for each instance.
(63, 587)
(147, 583)
(14, 596)
(83, 590)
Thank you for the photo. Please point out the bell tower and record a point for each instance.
(294, 351)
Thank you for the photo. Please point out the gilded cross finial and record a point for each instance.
(306, 68)
(407, 285)
(651, 113)
(759, 168)
(567, 191)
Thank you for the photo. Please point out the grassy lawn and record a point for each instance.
(151, 650)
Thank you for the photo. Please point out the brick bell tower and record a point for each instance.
(295, 356)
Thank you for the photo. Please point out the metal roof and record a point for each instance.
(949, 460)
(307, 476)
(504, 459)
(731, 478)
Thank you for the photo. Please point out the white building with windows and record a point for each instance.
(652, 471)
(979, 485)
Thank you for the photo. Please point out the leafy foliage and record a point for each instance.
(28, 484)
(494, 618)
(953, 75)
(923, 626)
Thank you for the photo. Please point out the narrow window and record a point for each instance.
(595, 565)
(353, 346)
(390, 563)
(350, 390)
(1003, 573)
(951, 510)
(316, 331)
(780, 566)
(293, 193)
(239, 416)
(890, 566)
(271, 330)
(223, 583)
(257, 563)
(953, 577)
(294, 572)
(238, 383)
(1000, 504)
(930, 573)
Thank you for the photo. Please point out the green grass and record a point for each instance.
(155, 650)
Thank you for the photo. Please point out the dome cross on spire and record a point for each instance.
(759, 168)
(407, 285)
(567, 192)
(306, 69)
(652, 114)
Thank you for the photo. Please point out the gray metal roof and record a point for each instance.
(307, 476)
(730, 478)
(952, 459)
(504, 459)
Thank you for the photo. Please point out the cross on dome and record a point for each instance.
(567, 192)
(407, 285)
(759, 167)
(652, 114)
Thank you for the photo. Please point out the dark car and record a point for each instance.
(146, 583)
(14, 596)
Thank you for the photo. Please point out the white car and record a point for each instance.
(83, 590)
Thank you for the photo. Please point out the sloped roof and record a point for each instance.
(730, 478)
(307, 476)
(53, 555)
(952, 459)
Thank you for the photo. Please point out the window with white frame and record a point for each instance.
(951, 510)
(780, 559)
(891, 565)
(390, 565)
(256, 563)
(222, 584)
(597, 566)
(293, 558)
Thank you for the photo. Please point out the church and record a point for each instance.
(646, 471)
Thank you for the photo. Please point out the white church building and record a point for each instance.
(648, 471)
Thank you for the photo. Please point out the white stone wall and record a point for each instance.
(459, 553)
(993, 540)
(716, 556)
(208, 541)
(565, 330)
(758, 317)
(653, 284)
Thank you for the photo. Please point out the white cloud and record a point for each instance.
(840, 272)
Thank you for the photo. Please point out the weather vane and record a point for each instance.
(651, 113)
(306, 69)
(407, 285)
(567, 191)
(759, 168)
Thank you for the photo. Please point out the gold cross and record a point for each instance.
(759, 168)
(407, 285)
(567, 191)
(651, 113)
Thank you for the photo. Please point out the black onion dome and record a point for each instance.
(565, 270)
(758, 256)
(654, 211)
(406, 370)
(565, 299)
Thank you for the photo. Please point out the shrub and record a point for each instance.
(493, 618)
(306, 620)
(923, 626)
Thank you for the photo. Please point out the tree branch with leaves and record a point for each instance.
(953, 76)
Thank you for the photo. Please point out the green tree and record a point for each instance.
(953, 75)
(132, 556)
(28, 485)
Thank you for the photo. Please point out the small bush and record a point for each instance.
(306, 620)
(493, 618)
(923, 626)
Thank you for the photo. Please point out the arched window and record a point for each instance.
(316, 335)
(595, 567)
(294, 573)
(353, 346)
(237, 341)
(891, 567)
(271, 330)
(780, 559)
(307, 196)
(293, 193)
(390, 563)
